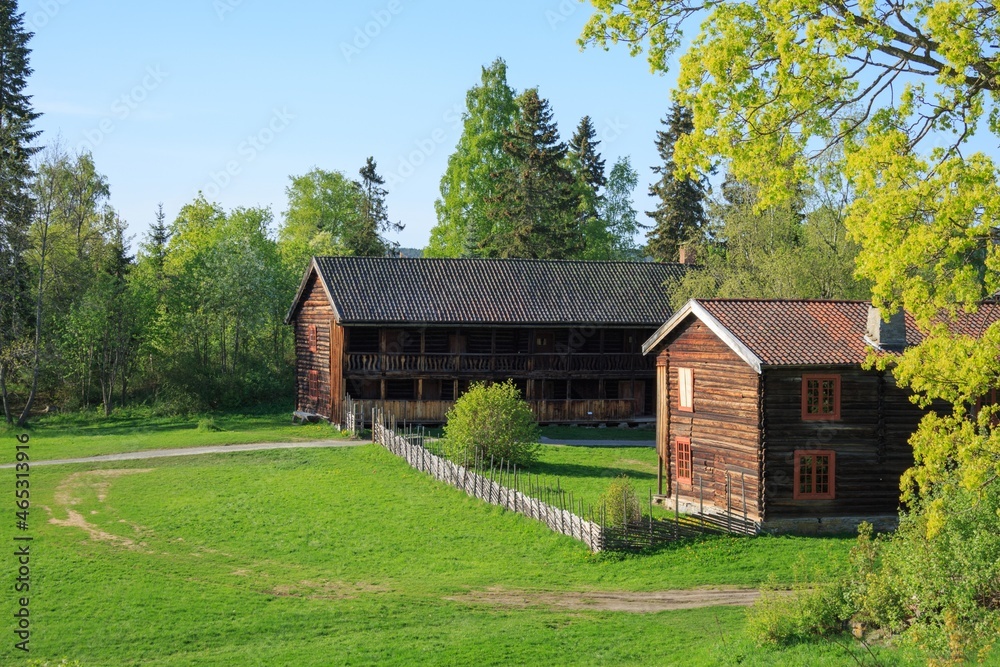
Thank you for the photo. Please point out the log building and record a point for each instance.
(411, 335)
(770, 397)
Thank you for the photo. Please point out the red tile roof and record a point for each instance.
(808, 332)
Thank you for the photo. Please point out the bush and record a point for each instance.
(491, 421)
(208, 424)
(783, 617)
(621, 502)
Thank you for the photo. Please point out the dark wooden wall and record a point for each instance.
(724, 426)
(870, 441)
(315, 309)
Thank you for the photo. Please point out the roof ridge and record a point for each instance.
(498, 260)
(753, 300)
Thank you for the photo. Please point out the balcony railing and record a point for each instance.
(474, 364)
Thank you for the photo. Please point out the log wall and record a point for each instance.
(724, 426)
(315, 310)
(871, 441)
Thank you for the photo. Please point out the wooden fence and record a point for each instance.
(498, 486)
(503, 484)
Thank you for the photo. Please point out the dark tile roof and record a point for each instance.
(368, 290)
(805, 332)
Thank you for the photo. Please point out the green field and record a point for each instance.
(346, 556)
(78, 435)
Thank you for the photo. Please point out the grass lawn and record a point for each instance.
(586, 471)
(77, 435)
(322, 557)
(590, 433)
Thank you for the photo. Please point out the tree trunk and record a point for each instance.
(8, 417)
(23, 420)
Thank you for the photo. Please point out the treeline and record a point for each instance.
(193, 319)
(513, 188)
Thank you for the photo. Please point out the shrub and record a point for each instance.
(491, 421)
(783, 617)
(621, 502)
(208, 424)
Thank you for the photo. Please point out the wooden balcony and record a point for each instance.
(502, 364)
(546, 412)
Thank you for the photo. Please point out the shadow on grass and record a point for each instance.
(593, 471)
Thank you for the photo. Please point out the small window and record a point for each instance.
(821, 397)
(313, 385)
(815, 477)
(989, 400)
(685, 472)
(312, 337)
(685, 391)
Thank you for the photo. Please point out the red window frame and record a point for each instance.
(808, 479)
(312, 379)
(680, 391)
(834, 415)
(683, 461)
(312, 337)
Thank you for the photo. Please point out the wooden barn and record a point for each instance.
(410, 335)
(764, 407)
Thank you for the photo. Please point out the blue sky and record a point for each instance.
(231, 97)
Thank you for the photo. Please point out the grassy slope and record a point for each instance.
(317, 557)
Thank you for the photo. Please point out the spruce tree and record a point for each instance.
(16, 137)
(588, 168)
(536, 199)
(680, 214)
(366, 238)
(155, 246)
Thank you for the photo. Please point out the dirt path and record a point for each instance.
(197, 451)
(634, 602)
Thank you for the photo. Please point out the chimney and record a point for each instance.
(687, 255)
(889, 335)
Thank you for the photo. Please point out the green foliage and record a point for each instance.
(783, 617)
(777, 252)
(679, 217)
(536, 200)
(17, 143)
(464, 215)
(937, 582)
(321, 204)
(65, 662)
(620, 502)
(491, 421)
(367, 239)
(208, 425)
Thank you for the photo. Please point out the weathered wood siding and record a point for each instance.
(870, 441)
(724, 427)
(315, 310)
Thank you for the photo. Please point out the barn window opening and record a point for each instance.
(313, 385)
(815, 474)
(312, 337)
(685, 470)
(400, 390)
(820, 397)
(685, 389)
